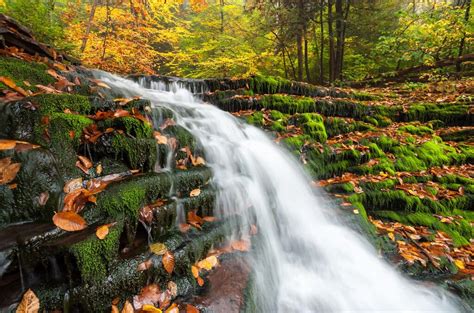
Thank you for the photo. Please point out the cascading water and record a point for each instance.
(306, 261)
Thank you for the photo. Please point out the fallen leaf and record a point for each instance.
(241, 245)
(200, 281)
(198, 161)
(82, 167)
(195, 192)
(158, 248)
(43, 198)
(460, 264)
(145, 265)
(149, 294)
(191, 309)
(173, 288)
(102, 231)
(85, 161)
(209, 218)
(151, 308)
(100, 83)
(11, 84)
(114, 309)
(184, 227)
(391, 236)
(195, 271)
(160, 139)
(69, 221)
(29, 303)
(8, 170)
(6, 144)
(128, 308)
(168, 261)
(208, 263)
(172, 309)
(98, 169)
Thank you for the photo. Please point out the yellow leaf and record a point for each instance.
(29, 303)
(150, 308)
(195, 271)
(128, 308)
(459, 263)
(158, 248)
(208, 263)
(391, 236)
(102, 231)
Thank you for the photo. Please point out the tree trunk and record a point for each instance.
(222, 15)
(107, 23)
(463, 39)
(299, 45)
(89, 24)
(306, 61)
(321, 55)
(331, 42)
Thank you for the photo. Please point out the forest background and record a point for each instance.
(318, 41)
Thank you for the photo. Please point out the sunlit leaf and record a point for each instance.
(69, 221)
(168, 261)
(158, 248)
(29, 303)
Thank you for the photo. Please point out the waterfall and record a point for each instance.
(306, 261)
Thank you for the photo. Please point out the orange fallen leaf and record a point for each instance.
(114, 309)
(200, 281)
(128, 308)
(102, 231)
(69, 221)
(150, 308)
(6, 144)
(8, 170)
(209, 218)
(195, 192)
(11, 84)
(208, 263)
(184, 227)
(195, 271)
(172, 309)
(168, 261)
(29, 303)
(85, 161)
(241, 245)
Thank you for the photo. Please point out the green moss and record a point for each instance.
(295, 143)
(123, 199)
(20, 71)
(450, 114)
(268, 84)
(416, 130)
(277, 115)
(138, 152)
(132, 126)
(49, 103)
(313, 126)
(61, 124)
(365, 96)
(256, 118)
(94, 256)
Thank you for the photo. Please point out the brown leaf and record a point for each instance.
(8, 170)
(100, 83)
(173, 289)
(29, 303)
(168, 261)
(43, 198)
(241, 245)
(195, 271)
(145, 265)
(85, 161)
(191, 309)
(160, 139)
(82, 167)
(208, 263)
(114, 309)
(148, 295)
(209, 218)
(69, 221)
(200, 281)
(184, 228)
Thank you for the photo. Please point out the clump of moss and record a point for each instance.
(50, 103)
(256, 118)
(450, 114)
(139, 153)
(313, 126)
(132, 126)
(94, 256)
(416, 129)
(295, 143)
(365, 96)
(20, 71)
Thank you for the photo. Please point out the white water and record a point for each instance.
(308, 262)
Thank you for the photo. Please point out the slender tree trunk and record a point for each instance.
(284, 63)
(222, 15)
(331, 42)
(321, 56)
(306, 58)
(343, 39)
(89, 24)
(463, 39)
(106, 35)
(299, 45)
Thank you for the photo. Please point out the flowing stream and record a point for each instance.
(307, 261)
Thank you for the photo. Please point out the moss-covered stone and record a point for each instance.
(20, 71)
